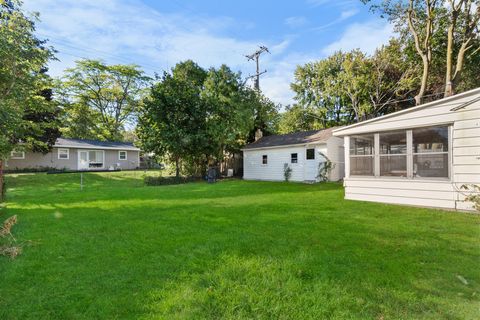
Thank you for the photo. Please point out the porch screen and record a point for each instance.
(393, 154)
(361, 155)
(430, 152)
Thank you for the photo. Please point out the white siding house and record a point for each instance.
(420, 156)
(302, 151)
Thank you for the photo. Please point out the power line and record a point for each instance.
(103, 54)
(256, 57)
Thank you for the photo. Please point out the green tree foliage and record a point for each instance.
(27, 113)
(442, 38)
(348, 87)
(194, 116)
(100, 99)
(172, 122)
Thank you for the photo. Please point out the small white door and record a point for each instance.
(82, 160)
(311, 168)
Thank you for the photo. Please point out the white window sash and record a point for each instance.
(120, 155)
(62, 152)
(17, 157)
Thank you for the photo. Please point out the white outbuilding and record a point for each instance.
(420, 156)
(303, 152)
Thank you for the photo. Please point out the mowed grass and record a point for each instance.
(231, 250)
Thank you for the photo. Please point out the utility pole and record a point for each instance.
(256, 57)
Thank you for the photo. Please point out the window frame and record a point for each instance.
(22, 157)
(294, 160)
(387, 155)
(306, 154)
(409, 155)
(90, 162)
(264, 159)
(119, 155)
(370, 156)
(448, 153)
(63, 149)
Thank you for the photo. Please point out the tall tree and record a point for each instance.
(419, 18)
(172, 121)
(105, 97)
(462, 35)
(27, 114)
(230, 111)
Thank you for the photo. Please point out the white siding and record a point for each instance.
(301, 171)
(336, 154)
(465, 157)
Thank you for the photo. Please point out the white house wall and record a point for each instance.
(277, 157)
(34, 160)
(465, 158)
(336, 154)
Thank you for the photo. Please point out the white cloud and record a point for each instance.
(276, 82)
(344, 15)
(128, 31)
(365, 36)
(295, 22)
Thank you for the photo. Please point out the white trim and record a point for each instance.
(337, 132)
(17, 158)
(126, 155)
(88, 160)
(314, 143)
(63, 149)
(95, 148)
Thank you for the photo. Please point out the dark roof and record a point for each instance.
(303, 137)
(94, 144)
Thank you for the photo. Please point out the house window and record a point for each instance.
(17, 155)
(294, 158)
(64, 154)
(122, 155)
(95, 159)
(393, 154)
(362, 155)
(264, 159)
(310, 154)
(430, 152)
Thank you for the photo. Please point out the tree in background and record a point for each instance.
(445, 35)
(194, 117)
(348, 87)
(230, 112)
(100, 99)
(27, 113)
(462, 37)
(172, 120)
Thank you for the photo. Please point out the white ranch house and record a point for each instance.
(420, 156)
(78, 155)
(265, 158)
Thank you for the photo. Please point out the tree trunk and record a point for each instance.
(177, 167)
(423, 85)
(448, 73)
(1, 181)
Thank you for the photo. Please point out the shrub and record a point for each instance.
(163, 181)
(287, 172)
(324, 169)
(473, 197)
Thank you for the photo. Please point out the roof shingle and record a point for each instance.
(94, 144)
(303, 137)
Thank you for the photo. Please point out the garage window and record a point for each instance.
(310, 154)
(64, 154)
(294, 158)
(264, 159)
(122, 155)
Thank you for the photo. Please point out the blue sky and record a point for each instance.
(158, 34)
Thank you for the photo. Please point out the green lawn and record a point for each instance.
(232, 250)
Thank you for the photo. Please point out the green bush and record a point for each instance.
(163, 181)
